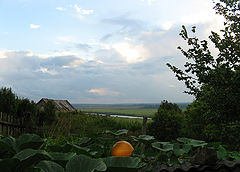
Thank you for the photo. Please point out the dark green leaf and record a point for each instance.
(29, 157)
(49, 166)
(84, 140)
(7, 144)
(82, 163)
(8, 165)
(61, 158)
(117, 133)
(29, 141)
(123, 164)
(222, 153)
(163, 146)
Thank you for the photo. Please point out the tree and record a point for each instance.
(8, 102)
(48, 115)
(215, 80)
(195, 122)
(167, 122)
(27, 111)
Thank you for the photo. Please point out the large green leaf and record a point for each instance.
(117, 133)
(234, 155)
(29, 157)
(146, 137)
(58, 148)
(180, 151)
(163, 146)
(61, 158)
(78, 149)
(184, 140)
(7, 145)
(82, 163)
(125, 164)
(192, 142)
(8, 165)
(49, 166)
(222, 153)
(143, 138)
(29, 141)
(84, 140)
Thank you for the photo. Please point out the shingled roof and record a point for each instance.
(61, 105)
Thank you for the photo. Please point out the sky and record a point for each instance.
(98, 51)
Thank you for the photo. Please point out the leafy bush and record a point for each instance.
(48, 114)
(195, 121)
(167, 122)
(8, 103)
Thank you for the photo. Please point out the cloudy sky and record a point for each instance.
(98, 51)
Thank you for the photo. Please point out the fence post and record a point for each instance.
(1, 120)
(144, 125)
(144, 131)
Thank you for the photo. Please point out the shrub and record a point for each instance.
(48, 115)
(195, 121)
(8, 102)
(167, 122)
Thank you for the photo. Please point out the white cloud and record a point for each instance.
(148, 1)
(82, 11)
(103, 92)
(201, 13)
(61, 9)
(46, 70)
(57, 54)
(129, 52)
(34, 26)
(70, 77)
(3, 55)
(74, 63)
(171, 85)
(167, 25)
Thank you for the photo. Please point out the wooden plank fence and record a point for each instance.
(10, 125)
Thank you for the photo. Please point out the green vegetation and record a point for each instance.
(76, 140)
(121, 111)
(214, 81)
(48, 114)
(29, 152)
(81, 124)
(125, 109)
(167, 122)
(25, 110)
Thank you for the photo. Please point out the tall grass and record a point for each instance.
(81, 124)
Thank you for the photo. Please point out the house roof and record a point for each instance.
(61, 105)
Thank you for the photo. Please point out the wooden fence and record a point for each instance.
(10, 125)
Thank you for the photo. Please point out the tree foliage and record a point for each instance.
(48, 115)
(195, 120)
(8, 103)
(167, 122)
(215, 80)
(27, 111)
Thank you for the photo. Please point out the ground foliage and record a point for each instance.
(30, 152)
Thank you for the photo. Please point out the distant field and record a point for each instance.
(134, 112)
(123, 109)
